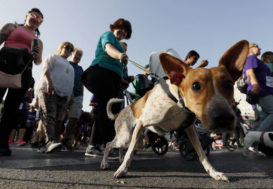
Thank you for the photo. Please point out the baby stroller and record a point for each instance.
(156, 71)
(185, 147)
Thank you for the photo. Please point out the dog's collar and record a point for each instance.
(178, 101)
(262, 138)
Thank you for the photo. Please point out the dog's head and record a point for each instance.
(209, 92)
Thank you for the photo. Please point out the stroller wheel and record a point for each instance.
(160, 145)
(187, 152)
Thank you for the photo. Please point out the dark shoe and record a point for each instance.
(5, 151)
(67, 144)
(35, 145)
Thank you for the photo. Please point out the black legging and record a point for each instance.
(104, 84)
(11, 105)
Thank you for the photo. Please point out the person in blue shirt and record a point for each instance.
(75, 105)
(103, 79)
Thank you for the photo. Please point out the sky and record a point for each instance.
(210, 27)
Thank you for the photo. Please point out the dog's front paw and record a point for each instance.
(120, 173)
(103, 165)
(220, 176)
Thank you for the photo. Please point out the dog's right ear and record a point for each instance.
(173, 67)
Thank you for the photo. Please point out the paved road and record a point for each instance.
(29, 169)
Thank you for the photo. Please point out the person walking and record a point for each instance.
(75, 108)
(20, 37)
(54, 91)
(192, 57)
(22, 119)
(103, 79)
(260, 87)
(267, 58)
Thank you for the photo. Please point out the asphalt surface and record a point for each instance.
(28, 169)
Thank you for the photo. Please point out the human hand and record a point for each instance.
(123, 58)
(252, 98)
(203, 64)
(132, 78)
(124, 83)
(35, 52)
(36, 104)
(30, 91)
(50, 89)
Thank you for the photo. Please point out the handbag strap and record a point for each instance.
(28, 63)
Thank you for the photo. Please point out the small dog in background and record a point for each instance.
(263, 139)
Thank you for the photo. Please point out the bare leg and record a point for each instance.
(12, 135)
(39, 133)
(22, 132)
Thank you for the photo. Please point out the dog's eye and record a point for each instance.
(196, 86)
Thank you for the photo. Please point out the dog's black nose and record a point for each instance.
(222, 118)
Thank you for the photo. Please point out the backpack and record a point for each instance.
(242, 84)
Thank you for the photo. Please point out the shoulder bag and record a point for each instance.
(13, 63)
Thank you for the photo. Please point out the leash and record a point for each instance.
(189, 115)
(139, 66)
(153, 75)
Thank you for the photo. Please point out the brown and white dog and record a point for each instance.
(208, 93)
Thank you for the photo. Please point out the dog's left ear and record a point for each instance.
(234, 59)
(173, 67)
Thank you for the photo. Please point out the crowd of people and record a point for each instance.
(59, 92)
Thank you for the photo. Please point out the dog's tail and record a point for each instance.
(109, 106)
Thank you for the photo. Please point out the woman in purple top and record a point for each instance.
(260, 85)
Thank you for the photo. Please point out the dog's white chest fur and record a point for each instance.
(160, 111)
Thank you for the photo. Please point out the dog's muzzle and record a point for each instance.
(222, 120)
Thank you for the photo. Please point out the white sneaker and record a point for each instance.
(52, 146)
(251, 149)
(92, 151)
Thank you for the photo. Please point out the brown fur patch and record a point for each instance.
(139, 105)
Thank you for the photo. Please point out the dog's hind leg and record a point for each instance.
(108, 148)
(122, 170)
(192, 134)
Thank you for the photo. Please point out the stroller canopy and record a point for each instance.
(155, 66)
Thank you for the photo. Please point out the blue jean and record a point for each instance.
(265, 109)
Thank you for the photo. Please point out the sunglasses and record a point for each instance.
(37, 16)
(68, 48)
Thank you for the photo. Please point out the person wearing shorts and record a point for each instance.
(75, 108)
